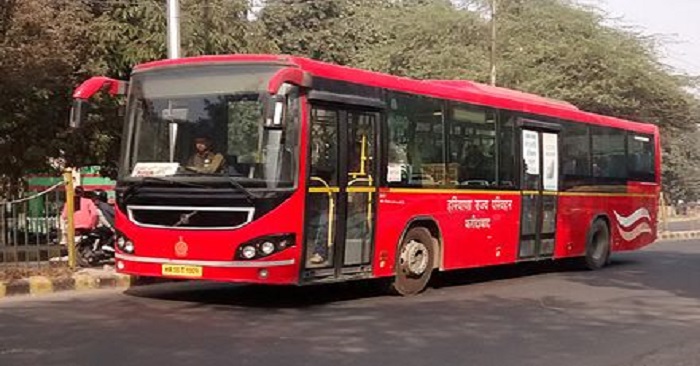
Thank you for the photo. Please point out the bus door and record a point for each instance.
(539, 184)
(341, 194)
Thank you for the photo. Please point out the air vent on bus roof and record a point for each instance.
(475, 87)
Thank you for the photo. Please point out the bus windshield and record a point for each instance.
(207, 121)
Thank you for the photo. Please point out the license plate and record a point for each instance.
(181, 270)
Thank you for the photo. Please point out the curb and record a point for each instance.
(679, 235)
(683, 219)
(40, 285)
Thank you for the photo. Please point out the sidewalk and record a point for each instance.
(683, 218)
(679, 235)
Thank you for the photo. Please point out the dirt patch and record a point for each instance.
(12, 273)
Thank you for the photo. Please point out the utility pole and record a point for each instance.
(70, 215)
(207, 28)
(173, 52)
(173, 28)
(493, 42)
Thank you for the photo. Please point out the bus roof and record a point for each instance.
(458, 90)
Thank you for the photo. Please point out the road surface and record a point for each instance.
(643, 310)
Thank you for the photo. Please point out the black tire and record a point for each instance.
(415, 262)
(597, 246)
(83, 256)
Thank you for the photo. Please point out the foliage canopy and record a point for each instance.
(550, 47)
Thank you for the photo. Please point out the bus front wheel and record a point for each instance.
(597, 246)
(415, 262)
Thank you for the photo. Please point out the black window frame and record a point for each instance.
(490, 114)
(393, 100)
(641, 176)
(382, 99)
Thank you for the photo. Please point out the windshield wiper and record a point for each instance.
(250, 197)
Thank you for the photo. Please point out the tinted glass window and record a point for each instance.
(324, 146)
(416, 142)
(608, 153)
(472, 145)
(507, 166)
(575, 151)
(640, 157)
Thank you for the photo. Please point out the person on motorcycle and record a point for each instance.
(98, 245)
(105, 210)
(85, 215)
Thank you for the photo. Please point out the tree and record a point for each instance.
(568, 52)
(429, 40)
(42, 51)
(126, 33)
(550, 47)
(327, 30)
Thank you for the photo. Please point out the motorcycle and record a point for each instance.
(95, 247)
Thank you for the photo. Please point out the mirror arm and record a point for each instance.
(87, 90)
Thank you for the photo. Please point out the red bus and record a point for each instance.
(276, 169)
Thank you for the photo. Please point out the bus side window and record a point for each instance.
(416, 146)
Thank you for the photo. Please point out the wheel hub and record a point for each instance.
(414, 258)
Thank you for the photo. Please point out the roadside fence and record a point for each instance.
(30, 229)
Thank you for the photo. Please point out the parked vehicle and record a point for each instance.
(95, 247)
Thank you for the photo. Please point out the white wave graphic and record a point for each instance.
(630, 220)
(642, 228)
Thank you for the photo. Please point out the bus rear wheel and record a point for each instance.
(597, 246)
(415, 262)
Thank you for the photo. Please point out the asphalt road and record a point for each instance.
(643, 310)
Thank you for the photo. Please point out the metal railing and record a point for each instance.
(30, 230)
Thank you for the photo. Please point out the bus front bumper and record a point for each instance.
(279, 272)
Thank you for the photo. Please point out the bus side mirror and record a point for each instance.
(78, 113)
(86, 90)
(274, 112)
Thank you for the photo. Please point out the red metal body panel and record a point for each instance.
(577, 212)
(632, 214)
(220, 245)
(461, 247)
(93, 85)
(288, 74)
(214, 59)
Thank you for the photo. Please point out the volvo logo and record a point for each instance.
(185, 218)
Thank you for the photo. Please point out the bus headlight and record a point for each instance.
(121, 242)
(125, 245)
(264, 246)
(248, 252)
(267, 247)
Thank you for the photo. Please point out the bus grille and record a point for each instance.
(190, 217)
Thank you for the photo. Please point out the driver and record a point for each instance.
(205, 160)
